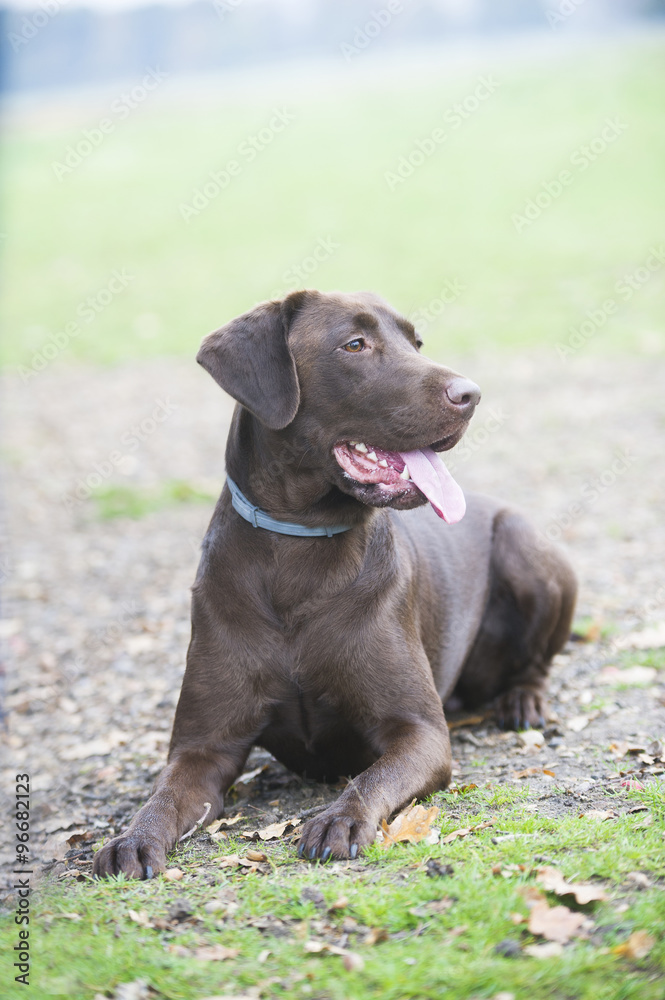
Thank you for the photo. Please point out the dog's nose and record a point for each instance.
(463, 394)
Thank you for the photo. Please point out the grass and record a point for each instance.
(86, 938)
(323, 178)
(128, 501)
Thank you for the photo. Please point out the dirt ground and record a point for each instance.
(96, 612)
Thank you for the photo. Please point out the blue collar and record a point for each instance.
(260, 519)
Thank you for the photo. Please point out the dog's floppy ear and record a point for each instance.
(251, 360)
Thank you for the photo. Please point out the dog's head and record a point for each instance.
(342, 376)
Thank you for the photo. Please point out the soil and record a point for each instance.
(96, 612)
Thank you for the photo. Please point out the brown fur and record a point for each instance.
(337, 654)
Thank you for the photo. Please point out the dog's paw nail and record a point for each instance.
(541, 721)
(353, 853)
(327, 851)
(301, 849)
(312, 854)
(148, 871)
(516, 723)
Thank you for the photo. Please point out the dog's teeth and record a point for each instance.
(382, 463)
(361, 447)
(404, 474)
(372, 456)
(353, 443)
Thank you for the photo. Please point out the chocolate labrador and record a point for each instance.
(328, 625)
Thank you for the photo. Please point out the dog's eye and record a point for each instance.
(419, 343)
(354, 346)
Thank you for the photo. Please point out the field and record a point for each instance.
(525, 239)
(311, 205)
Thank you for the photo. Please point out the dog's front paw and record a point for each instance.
(335, 833)
(521, 708)
(132, 853)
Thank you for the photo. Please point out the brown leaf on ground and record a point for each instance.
(552, 880)
(638, 945)
(599, 814)
(141, 917)
(621, 748)
(173, 874)
(274, 831)
(352, 961)
(528, 772)
(375, 935)
(235, 861)
(224, 822)
(555, 923)
(339, 903)
(81, 838)
(464, 831)
(550, 950)
(412, 825)
(216, 953)
(256, 856)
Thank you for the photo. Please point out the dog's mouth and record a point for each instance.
(404, 476)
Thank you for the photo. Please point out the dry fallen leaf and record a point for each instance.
(464, 831)
(224, 822)
(173, 874)
(555, 923)
(216, 953)
(531, 738)
(550, 950)
(256, 856)
(375, 935)
(339, 903)
(553, 881)
(412, 825)
(638, 945)
(528, 772)
(235, 861)
(141, 918)
(81, 838)
(599, 814)
(274, 831)
(352, 961)
(578, 723)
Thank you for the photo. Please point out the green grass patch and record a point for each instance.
(323, 178)
(128, 501)
(439, 934)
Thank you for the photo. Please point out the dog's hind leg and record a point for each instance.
(526, 622)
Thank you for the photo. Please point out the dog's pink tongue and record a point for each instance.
(433, 479)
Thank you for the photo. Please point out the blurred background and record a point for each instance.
(217, 153)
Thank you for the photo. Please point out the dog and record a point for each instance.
(329, 626)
